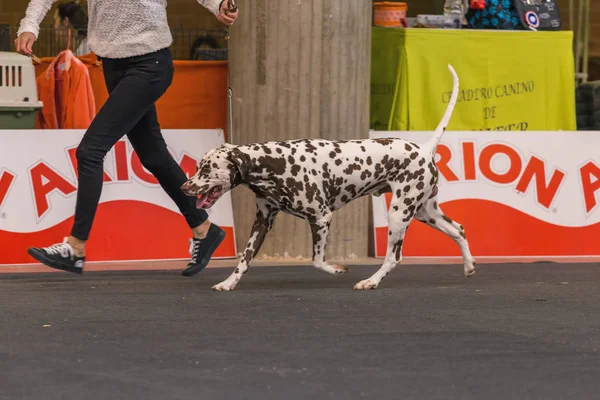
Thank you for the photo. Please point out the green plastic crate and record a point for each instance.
(18, 117)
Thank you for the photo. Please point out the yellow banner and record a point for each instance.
(509, 80)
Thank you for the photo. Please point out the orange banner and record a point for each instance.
(197, 99)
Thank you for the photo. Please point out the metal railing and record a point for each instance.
(188, 43)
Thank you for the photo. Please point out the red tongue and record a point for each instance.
(201, 201)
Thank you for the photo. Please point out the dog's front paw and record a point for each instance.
(367, 284)
(224, 287)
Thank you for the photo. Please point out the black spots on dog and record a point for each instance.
(337, 149)
(389, 233)
(309, 147)
(326, 174)
(398, 193)
(344, 199)
(414, 155)
(314, 172)
(408, 147)
(384, 142)
(410, 211)
(294, 150)
(378, 171)
(363, 149)
(369, 160)
(256, 148)
(408, 201)
(406, 188)
(351, 168)
(338, 162)
(432, 221)
(311, 210)
(248, 255)
(272, 164)
(398, 250)
(311, 191)
(448, 220)
(332, 189)
(306, 179)
(267, 150)
(321, 144)
(365, 174)
(435, 205)
(278, 150)
(332, 154)
(302, 158)
(351, 189)
(314, 160)
(295, 169)
(420, 196)
(421, 162)
(432, 168)
(291, 160)
(237, 271)
(420, 185)
(396, 208)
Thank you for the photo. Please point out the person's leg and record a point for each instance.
(149, 144)
(141, 81)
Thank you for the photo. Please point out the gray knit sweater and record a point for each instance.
(118, 28)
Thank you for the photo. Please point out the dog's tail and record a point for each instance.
(441, 128)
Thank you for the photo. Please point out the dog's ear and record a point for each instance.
(241, 164)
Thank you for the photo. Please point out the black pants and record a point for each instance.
(134, 85)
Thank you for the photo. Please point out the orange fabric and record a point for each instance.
(197, 98)
(66, 91)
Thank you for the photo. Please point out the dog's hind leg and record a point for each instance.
(320, 232)
(399, 218)
(265, 216)
(432, 215)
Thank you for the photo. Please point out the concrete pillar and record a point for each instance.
(301, 69)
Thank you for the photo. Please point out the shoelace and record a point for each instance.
(194, 248)
(64, 249)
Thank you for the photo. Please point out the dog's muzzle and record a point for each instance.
(187, 189)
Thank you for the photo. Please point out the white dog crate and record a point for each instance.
(19, 102)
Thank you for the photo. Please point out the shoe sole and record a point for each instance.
(199, 267)
(39, 256)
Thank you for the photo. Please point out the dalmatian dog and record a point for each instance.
(311, 178)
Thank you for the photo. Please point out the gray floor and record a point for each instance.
(510, 332)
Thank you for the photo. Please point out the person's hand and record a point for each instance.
(24, 43)
(225, 16)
